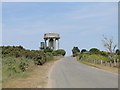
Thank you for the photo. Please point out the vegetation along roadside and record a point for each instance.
(108, 60)
(17, 61)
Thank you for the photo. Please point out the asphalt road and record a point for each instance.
(69, 73)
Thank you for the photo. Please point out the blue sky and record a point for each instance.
(80, 24)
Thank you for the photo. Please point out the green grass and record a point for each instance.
(98, 57)
(93, 57)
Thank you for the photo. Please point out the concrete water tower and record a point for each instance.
(50, 40)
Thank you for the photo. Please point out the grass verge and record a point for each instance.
(106, 68)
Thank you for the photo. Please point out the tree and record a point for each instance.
(59, 52)
(83, 50)
(94, 51)
(108, 43)
(75, 51)
(103, 53)
(117, 52)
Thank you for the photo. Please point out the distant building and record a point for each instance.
(50, 41)
(42, 45)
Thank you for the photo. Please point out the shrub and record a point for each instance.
(94, 51)
(83, 50)
(59, 52)
(16, 59)
(75, 50)
(23, 66)
(103, 53)
(49, 55)
(117, 52)
(48, 50)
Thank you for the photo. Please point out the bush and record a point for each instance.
(16, 59)
(23, 66)
(39, 61)
(49, 56)
(59, 52)
(83, 50)
(48, 50)
(117, 52)
(93, 57)
(103, 53)
(75, 51)
(94, 51)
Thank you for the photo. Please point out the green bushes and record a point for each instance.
(95, 55)
(38, 56)
(23, 66)
(75, 51)
(48, 50)
(117, 52)
(94, 51)
(83, 51)
(19, 51)
(12, 51)
(92, 54)
(16, 59)
(40, 60)
(59, 52)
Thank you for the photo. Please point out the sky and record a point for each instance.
(80, 24)
(60, 0)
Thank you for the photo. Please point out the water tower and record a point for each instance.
(51, 39)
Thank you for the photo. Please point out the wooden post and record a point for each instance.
(110, 63)
(115, 64)
(101, 62)
(118, 65)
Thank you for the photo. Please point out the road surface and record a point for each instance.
(69, 73)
